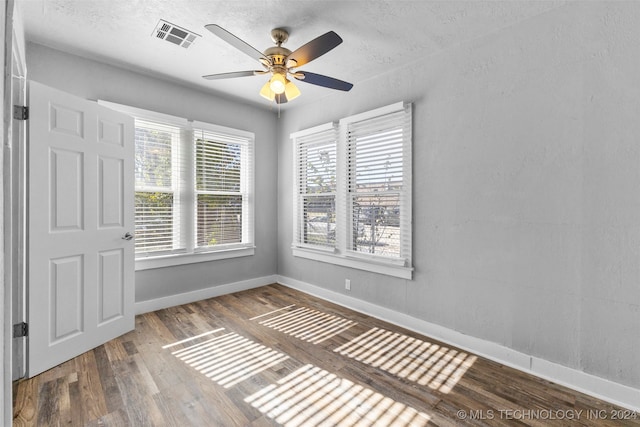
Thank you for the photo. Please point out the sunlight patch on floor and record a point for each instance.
(419, 361)
(194, 338)
(273, 312)
(312, 396)
(308, 325)
(230, 358)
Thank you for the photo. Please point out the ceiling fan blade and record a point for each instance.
(312, 50)
(233, 74)
(320, 80)
(235, 41)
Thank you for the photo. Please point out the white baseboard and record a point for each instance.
(201, 294)
(583, 382)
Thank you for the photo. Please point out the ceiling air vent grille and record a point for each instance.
(174, 34)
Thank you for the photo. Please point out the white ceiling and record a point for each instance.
(379, 36)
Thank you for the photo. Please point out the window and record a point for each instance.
(157, 193)
(316, 183)
(223, 165)
(193, 190)
(352, 202)
(377, 153)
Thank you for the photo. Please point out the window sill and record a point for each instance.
(180, 259)
(374, 266)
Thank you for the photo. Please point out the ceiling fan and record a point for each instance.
(281, 63)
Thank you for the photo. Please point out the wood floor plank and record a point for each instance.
(111, 392)
(169, 409)
(273, 356)
(92, 397)
(117, 418)
(48, 411)
(25, 403)
(78, 417)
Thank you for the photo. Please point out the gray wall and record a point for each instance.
(526, 151)
(93, 80)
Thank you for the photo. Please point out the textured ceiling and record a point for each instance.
(379, 36)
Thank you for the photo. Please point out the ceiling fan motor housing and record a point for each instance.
(277, 54)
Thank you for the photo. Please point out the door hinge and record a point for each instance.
(20, 112)
(20, 330)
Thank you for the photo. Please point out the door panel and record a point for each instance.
(66, 120)
(111, 192)
(110, 132)
(66, 303)
(81, 270)
(66, 180)
(111, 286)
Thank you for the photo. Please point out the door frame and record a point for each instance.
(13, 208)
(18, 136)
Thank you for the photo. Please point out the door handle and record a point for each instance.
(127, 236)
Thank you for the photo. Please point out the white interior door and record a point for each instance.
(80, 263)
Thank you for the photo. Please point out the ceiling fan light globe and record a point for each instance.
(291, 91)
(277, 87)
(277, 83)
(267, 93)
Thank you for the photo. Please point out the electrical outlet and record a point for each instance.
(347, 284)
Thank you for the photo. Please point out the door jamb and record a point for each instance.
(7, 235)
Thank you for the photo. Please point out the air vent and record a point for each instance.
(174, 34)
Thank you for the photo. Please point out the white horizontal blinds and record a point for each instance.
(157, 163)
(316, 188)
(378, 187)
(223, 188)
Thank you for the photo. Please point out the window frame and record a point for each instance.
(187, 193)
(342, 254)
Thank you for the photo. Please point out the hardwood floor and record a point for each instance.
(274, 356)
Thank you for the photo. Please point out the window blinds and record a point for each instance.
(224, 215)
(379, 184)
(316, 187)
(157, 163)
(352, 192)
(193, 189)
